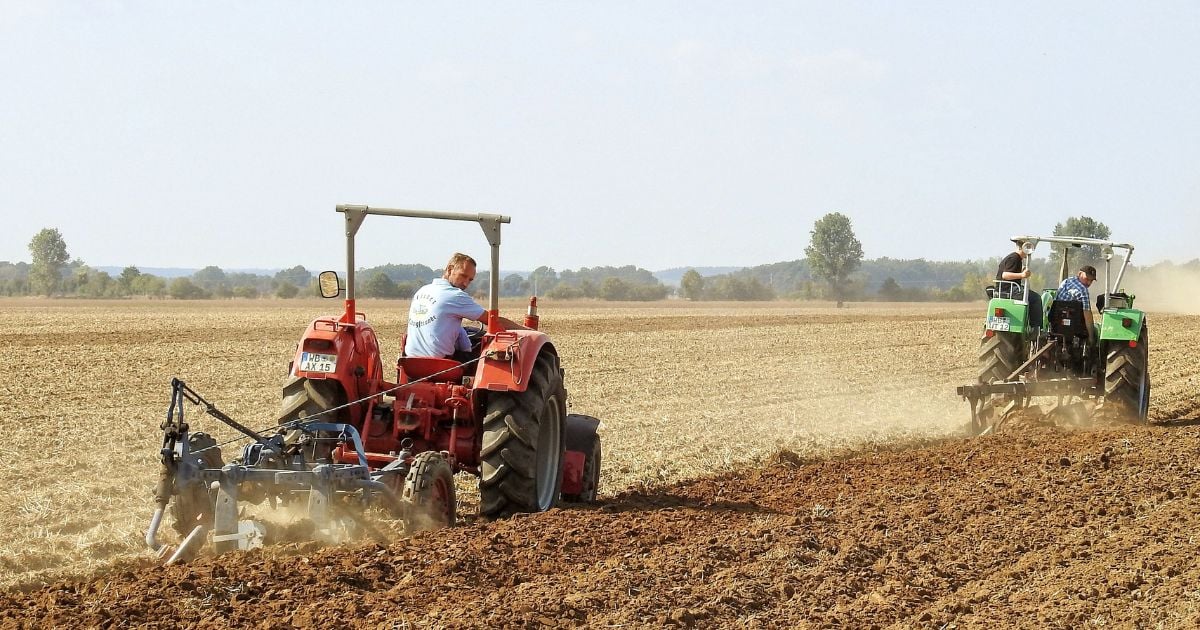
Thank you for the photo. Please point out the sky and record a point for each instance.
(657, 134)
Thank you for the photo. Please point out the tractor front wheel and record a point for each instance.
(523, 444)
(1127, 376)
(429, 492)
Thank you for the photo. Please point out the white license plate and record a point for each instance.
(316, 362)
(998, 323)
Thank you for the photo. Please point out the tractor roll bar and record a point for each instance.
(1105, 246)
(489, 222)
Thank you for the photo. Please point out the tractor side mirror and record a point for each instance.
(330, 285)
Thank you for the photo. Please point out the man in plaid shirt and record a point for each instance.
(1075, 289)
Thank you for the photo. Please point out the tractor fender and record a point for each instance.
(1122, 324)
(1011, 316)
(508, 360)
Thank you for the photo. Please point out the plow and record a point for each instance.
(1061, 353)
(349, 439)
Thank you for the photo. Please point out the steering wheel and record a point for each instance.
(474, 330)
(475, 333)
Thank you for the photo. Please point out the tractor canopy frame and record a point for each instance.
(1106, 250)
(490, 223)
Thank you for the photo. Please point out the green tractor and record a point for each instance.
(1023, 354)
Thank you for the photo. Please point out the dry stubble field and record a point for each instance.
(684, 391)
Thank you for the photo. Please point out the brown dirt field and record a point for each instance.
(765, 466)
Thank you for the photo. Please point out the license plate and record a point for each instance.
(316, 362)
(998, 323)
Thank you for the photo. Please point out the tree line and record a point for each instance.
(53, 272)
(833, 268)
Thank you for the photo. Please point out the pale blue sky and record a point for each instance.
(659, 134)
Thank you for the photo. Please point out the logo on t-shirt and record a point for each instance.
(420, 314)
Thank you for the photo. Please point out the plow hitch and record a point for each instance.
(288, 467)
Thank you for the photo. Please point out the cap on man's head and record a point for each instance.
(1089, 271)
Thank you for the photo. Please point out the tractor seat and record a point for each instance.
(420, 367)
(1066, 319)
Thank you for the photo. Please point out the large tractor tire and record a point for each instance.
(194, 505)
(523, 444)
(303, 398)
(429, 492)
(1127, 376)
(999, 355)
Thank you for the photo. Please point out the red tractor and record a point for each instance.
(347, 432)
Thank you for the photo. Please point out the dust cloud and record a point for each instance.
(1166, 288)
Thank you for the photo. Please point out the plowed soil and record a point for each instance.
(845, 520)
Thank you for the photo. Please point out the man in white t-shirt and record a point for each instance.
(438, 309)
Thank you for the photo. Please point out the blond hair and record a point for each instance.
(457, 260)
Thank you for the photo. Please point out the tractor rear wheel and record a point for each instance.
(194, 504)
(999, 355)
(523, 444)
(429, 492)
(1127, 376)
(303, 397)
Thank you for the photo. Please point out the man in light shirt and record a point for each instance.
(438, 310)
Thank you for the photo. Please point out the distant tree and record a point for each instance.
(647, 292)
(564, 292)
(49, 252)
(513, 284)
(890, 290)
(244, 291)
(149, 285)
(297, 275)
(973, 286)
(14, 278)
(379, 285)
(286, 290)
(127, 277)
(408, 273)
(1086, 255)
(97, 284)
(185, 289)
(735, 288)
(692, 285)
(834, 252)
(614, 289)
(589, 288)
(210, 278)
(542, 279)
(408, 289)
